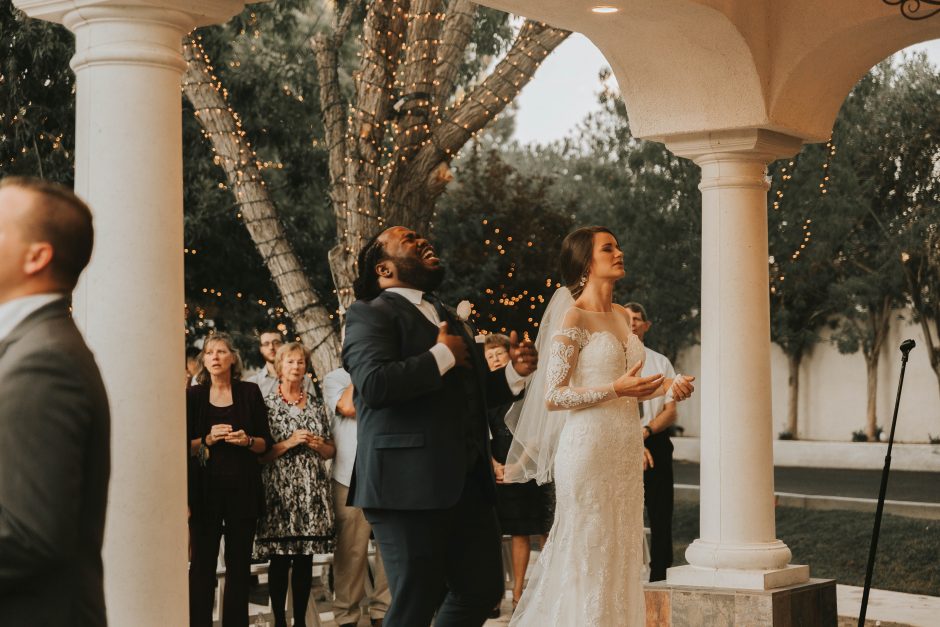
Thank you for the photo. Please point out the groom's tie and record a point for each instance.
(442, 312)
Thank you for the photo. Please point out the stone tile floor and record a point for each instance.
(885, 608)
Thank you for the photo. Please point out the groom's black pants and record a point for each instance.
(658, 496)
(446, 561)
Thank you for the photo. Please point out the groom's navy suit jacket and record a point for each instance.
(412, 422)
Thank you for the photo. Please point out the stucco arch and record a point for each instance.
(691, 66)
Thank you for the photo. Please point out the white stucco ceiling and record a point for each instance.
(688, 66)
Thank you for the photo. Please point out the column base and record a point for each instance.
(790, 575)
(810, 604)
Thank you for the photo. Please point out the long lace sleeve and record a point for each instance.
(563, 358)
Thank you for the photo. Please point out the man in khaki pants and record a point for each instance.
(350, 560)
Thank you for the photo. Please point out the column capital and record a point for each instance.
(130, 32)
(751, 144)
(196, 13)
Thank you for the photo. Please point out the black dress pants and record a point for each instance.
(658, 497)
(446, 561)
(206, 528)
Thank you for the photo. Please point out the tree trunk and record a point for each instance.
(933, 351)
(871, 416)
(879, 321)
(925, 310)
(222, 128)
(793, 397)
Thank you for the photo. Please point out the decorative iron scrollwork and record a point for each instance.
(916, 9)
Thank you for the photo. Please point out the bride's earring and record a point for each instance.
(583, 281)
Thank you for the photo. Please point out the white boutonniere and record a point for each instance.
(464, 309)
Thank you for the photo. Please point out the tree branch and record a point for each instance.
(343, 21)
(415, 77)
(382, 38)
(326, 49)
(383, 35)
(533, 43)
(458, 28)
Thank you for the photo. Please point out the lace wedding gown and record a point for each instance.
(589, 572)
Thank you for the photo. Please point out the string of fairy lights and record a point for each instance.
(380, 140)
(415, 115)
(501, 242)
(778, 276)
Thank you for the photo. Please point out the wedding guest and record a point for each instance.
(298, 521)
(192, 365)
(54, 418)
(227, 429)
(657, 417)
(523, 509)
(269, 340)
(350, 560)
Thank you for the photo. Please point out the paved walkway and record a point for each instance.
(922, 487)
(894, 609)
(890, 608)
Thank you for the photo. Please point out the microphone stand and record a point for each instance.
(906, 347)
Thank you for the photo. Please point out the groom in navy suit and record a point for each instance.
(423, 474)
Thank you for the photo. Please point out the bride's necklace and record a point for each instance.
(300, 397)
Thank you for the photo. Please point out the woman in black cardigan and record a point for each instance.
(227, 429)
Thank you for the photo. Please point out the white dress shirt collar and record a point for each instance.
(414, 296)
(15, 311)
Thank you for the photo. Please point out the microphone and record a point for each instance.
(907, 345)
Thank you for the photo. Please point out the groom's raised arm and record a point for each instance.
(371, 355)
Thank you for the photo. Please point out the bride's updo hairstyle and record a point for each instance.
(577, 251)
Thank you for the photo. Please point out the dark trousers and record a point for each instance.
(658, 497)
(206, 528)
(446, 561)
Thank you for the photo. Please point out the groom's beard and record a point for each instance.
(417, 275)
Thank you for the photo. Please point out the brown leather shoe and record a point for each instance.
(377, 622)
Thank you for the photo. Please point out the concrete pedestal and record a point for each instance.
(811, 604)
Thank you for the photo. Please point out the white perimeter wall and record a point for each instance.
(833, 389)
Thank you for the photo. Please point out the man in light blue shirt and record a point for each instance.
(350, 560)
(657, 416)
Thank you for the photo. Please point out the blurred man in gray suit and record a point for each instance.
(54, 418)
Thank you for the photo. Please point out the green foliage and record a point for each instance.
(918, 227)
(806, 225)
(841, 215)
(649, 199)
(500, 233)
(881, 134)
(492, 35)
(37, 103)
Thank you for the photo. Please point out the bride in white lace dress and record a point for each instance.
(590, 441)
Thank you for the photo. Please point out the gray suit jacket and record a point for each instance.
(54, 469)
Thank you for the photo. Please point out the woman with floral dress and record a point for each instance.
(298, 520)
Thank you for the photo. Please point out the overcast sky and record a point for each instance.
(565, 89)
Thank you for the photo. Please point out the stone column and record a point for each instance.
(128, 166)
(737, 547)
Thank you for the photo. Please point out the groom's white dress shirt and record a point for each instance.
(442, 355)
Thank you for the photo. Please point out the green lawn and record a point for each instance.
(835, 545)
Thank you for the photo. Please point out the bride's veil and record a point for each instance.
(535, 430)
